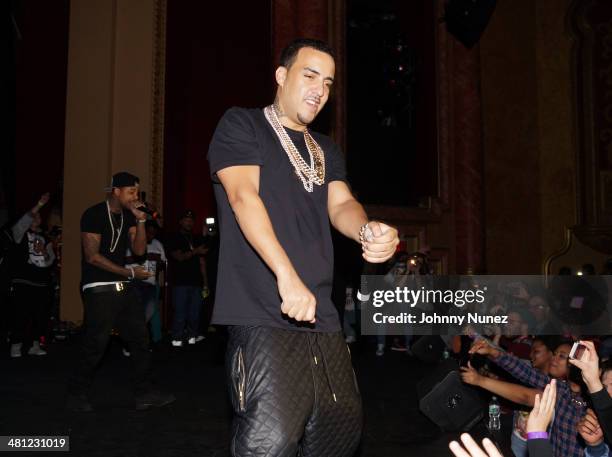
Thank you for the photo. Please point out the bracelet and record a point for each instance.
(537, 435)
(133, 274)
(141, 221)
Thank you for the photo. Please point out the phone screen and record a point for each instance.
(577, 351)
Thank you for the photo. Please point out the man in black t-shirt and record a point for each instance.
(107, 230)
(188, 278)
(278, 187)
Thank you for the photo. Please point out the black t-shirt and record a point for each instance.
(247, 291)
(186, 272)
(96, 220)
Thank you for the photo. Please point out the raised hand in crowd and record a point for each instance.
(483, 347)
(470, 375)
(589, 366)
(42, 201)
(543, 409)
(472, 449)
(590, 429)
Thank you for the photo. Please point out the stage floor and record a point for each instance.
(32, 392)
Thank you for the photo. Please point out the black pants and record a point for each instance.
(103, 312)
(31, 306)
(293, 393)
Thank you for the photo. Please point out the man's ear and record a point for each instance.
(281, 75)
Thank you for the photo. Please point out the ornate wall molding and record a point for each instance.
(590, 26)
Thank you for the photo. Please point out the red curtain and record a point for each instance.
(217, 56)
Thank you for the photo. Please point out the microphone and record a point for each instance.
(149, 211)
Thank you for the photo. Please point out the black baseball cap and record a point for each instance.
(123, 179)
(187, 213)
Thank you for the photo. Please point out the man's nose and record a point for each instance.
(320, 89)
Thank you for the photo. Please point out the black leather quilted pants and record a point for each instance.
(293, 393)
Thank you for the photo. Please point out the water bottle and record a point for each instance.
(494, 423)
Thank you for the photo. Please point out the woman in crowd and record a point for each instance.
(544, 360)
(596, 424)
(569, 406)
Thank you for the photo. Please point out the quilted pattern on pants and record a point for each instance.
(293, 393)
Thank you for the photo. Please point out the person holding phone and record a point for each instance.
(570, 407)
(588, 363)
(154, 261)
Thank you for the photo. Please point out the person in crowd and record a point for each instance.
(537, 425)
(211, 242)
(349, 319)
(570, 407)
(110, 301)
(395, 275)
(600, 395)
(538, 442)
(592, 433)
(539, 308)
(543, 359)
(31, 268)
(153, 262)
(515, 338)
(606, 375)
(188, 280)
(6, 247)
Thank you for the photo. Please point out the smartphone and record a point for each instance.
(577, 351)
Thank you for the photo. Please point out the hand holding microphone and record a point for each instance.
(143, 208)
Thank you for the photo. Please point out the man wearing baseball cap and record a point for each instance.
(188, 279)
(107, 230)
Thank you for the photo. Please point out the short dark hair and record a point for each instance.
(605, 367)
(547, 340)
(289, 53)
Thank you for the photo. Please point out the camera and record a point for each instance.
(210, 226)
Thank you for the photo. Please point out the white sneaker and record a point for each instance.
(36, 350)
(16, 350)
(177, 343)
(380, 350)
(191, 340)
(126, 352)
(200, 338)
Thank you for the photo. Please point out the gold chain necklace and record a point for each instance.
(308, 174)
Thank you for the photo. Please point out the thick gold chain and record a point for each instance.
(308, 174)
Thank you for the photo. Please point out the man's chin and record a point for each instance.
(306, 119)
